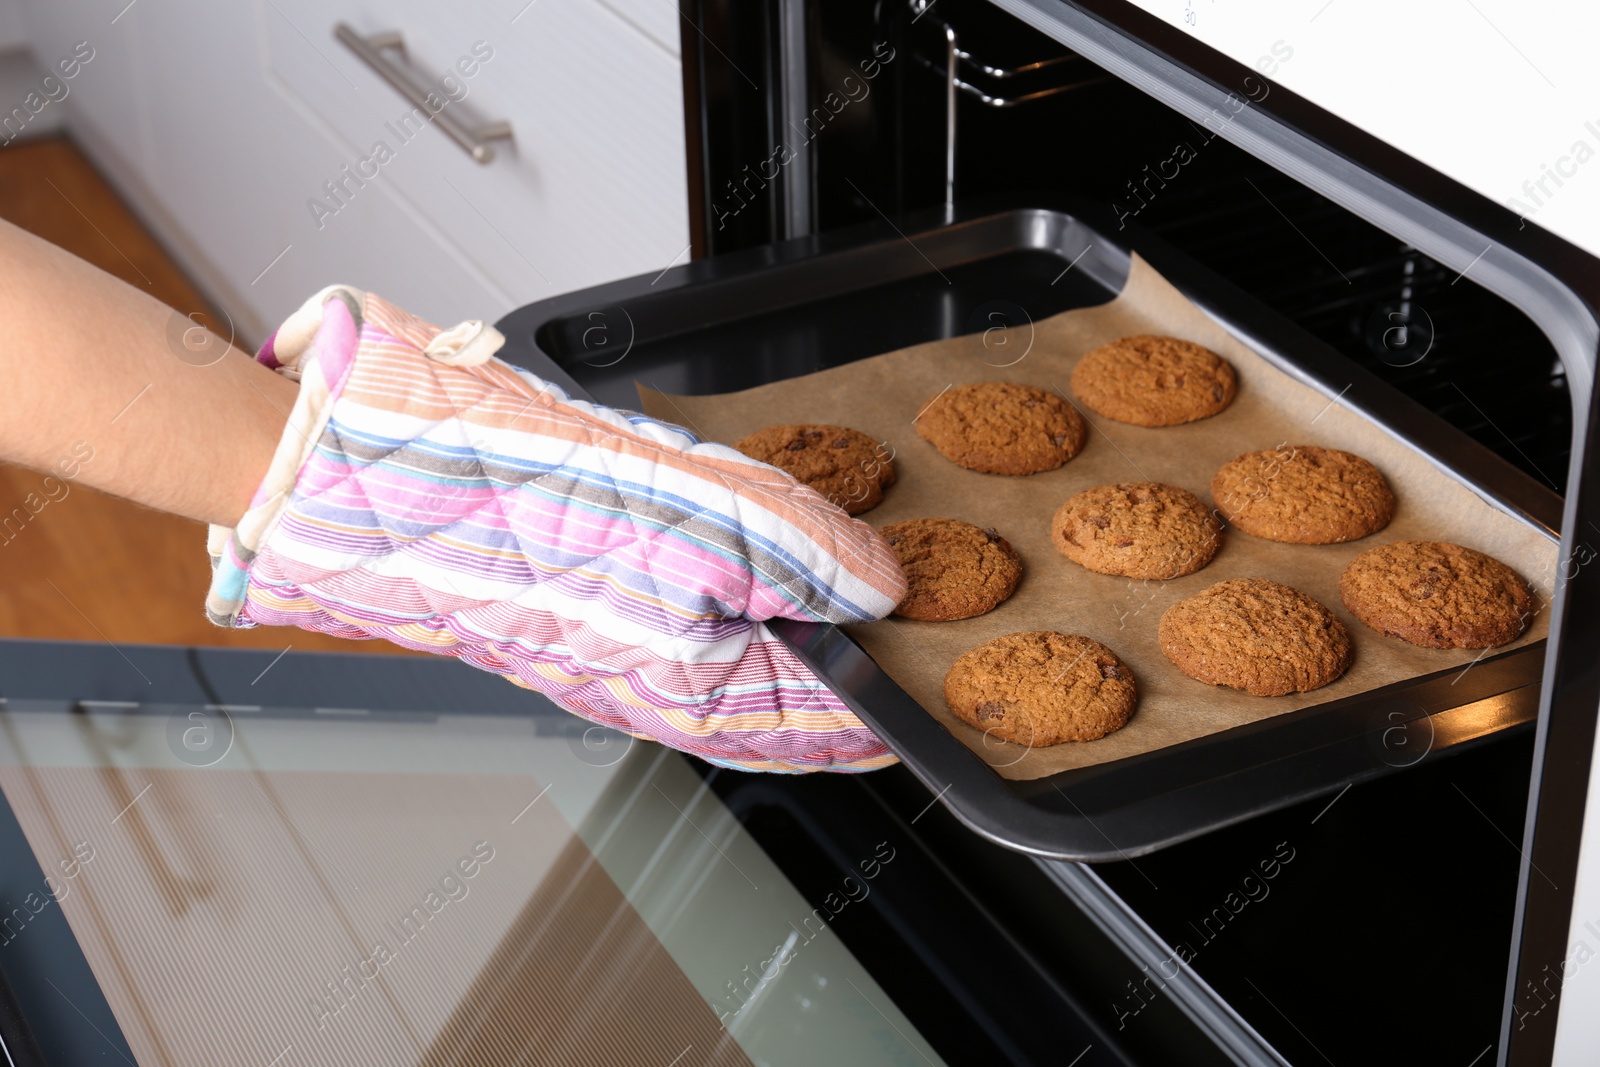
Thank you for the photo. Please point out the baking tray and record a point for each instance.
(791, 308)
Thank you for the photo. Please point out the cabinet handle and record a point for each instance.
(475, 139)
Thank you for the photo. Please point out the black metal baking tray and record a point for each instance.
(788, 309)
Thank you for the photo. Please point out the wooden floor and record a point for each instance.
(92, 567)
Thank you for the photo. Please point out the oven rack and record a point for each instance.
(955, 58)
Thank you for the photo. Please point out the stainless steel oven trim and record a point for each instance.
(795, 208)
(1114, 35)
(1191, 993)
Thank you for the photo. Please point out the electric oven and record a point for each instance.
(223, 856)
(871, 177)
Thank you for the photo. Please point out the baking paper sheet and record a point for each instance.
(882, 395)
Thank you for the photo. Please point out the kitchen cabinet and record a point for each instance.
(273, 161)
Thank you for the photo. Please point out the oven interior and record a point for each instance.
(1390, 925)
(1454, 347)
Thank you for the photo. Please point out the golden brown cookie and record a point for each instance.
(1304, 495)
(1137, 529)
(1154, 381)
(1255, 635)
(954, 570)
(1002, 428)
(844, 465)
(1042, 688)
(1437, 595)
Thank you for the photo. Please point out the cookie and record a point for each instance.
(1042, 688)
(954, 570)
(1304, 495)
(1002, 428)
(1255, 635)
(844, 465)
(1137, 530)
(1154, 381)
(1437, 595)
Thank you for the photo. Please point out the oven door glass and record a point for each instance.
(200, 885)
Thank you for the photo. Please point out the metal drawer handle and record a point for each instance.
(475, 139)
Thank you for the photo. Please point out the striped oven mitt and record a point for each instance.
(431, 494)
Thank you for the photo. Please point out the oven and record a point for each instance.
(867, 177)
(1393, 878)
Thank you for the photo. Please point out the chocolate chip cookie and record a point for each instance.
(1304, 495)
(1042, 688)
(1137, 529)
(1154, 381)
(1255, 635)
(954, 570)
(1002, 428)
(844, 465)
(1437, 595)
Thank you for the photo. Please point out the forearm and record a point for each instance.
(86, 357)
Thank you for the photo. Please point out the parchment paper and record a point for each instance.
(882, 395)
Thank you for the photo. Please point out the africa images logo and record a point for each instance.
(200, 737)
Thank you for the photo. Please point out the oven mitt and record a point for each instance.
(428, 493)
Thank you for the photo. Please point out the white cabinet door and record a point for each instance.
(245, 130)
(108, 90)
(592, 186)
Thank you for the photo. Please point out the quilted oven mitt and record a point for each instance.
(431, 494)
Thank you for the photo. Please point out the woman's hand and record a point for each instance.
(429, 493)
